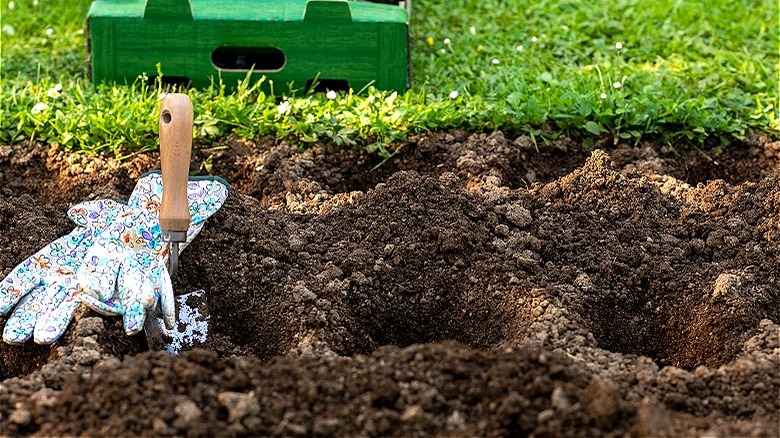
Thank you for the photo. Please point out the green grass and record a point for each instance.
(688, 71)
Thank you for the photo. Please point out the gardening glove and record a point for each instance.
(125, 268)
(47, 279)
(54, 282)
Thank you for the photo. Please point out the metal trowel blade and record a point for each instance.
(192, 326)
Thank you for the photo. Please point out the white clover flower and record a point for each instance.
(284, 107)
(519, 48)
(80, 32)
(534, 39)
(11, 5)
(617, 84)
(447, 41)
(454, 94)
(618, 45)
(49, 32)
(495, 61)
(39, 108)
(330, 94)
(54, 92)
(473, 30)
(35, 2)
(443, 51)
(603, 95)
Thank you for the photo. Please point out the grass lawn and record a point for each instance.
(684, 71)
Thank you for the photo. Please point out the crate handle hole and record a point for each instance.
(170, 83)
(259, 59)
(323, 85)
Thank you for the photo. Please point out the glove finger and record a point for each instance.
(24, 278)
(111, 307)
(136, 296)
(98, 274)
(21, 324)
(50, 326)
(164, 291)
(205, 197)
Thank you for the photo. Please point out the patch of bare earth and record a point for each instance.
(471, 286)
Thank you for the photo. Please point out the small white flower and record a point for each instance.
(35, 2)
(617, 84)
(44, 41)
(39, 108)
(618, 45)
(11, 5)
(454, 94)
(473, 30)
(534, 39)
(519, 48)
(330, 94)
(54, 92)
(603, 95)
(161, 96)
(447, 41)
(495, 61)
(49, 32)
(443, 51)
(284, 107)
(80, 32)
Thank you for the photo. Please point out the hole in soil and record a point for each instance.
(260, 59)
(672, 331)
(401, 317)
(625, 326)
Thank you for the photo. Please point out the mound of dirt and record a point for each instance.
(470, 287)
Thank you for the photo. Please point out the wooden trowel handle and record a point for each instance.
(175, 153)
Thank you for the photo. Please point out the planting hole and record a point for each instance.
(261, 59)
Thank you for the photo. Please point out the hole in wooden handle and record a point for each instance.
(166, 116)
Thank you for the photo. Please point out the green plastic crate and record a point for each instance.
(341, 44)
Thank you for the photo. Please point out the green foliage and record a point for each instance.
(685, 71)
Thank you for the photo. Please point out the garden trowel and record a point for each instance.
(175, 153)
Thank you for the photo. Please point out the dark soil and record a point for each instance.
(471, 286)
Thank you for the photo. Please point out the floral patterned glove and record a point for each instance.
(119, 270)
(48, 278)
(125, 268)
